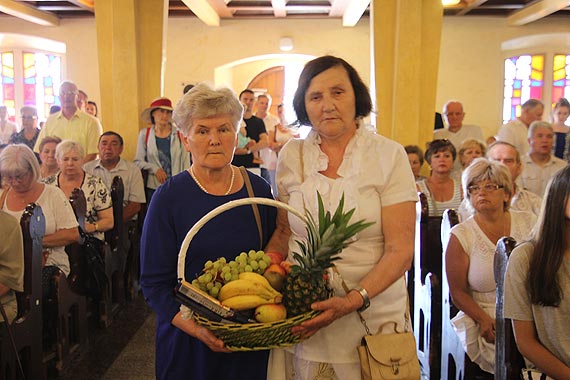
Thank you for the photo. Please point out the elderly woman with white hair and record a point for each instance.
(469, 255)
(21, 171)
(70, 158)
(208, 120)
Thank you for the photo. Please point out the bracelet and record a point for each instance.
(364, 294)
(96, 227)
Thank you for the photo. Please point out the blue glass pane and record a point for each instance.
(559, 83)
(536, 83)
(517, 84)
(30, 80)
(8, 80)
(48, 82)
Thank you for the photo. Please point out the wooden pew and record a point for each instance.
(115, 257)
(425, 326)
(453, 357)
(71, 305)
(27, 327)
(508, 360)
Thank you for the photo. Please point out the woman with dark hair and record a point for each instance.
(48, 163)
(416, 159)
(537, 285)
(441, 190)
(561, 146)
(340, 156)
(91, 108)
(160, 149)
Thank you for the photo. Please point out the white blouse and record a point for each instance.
(374, 173)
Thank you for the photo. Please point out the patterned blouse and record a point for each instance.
(20, 138)
(96, 193)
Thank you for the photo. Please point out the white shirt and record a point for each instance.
(6, 131)
(374, 173)
(267, 155)
(535, 177)
(516, 133)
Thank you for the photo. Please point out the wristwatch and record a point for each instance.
(364, 294)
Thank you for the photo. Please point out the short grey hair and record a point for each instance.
(67, 146)
(482, 169)
(19, 158)
(444, 109)
(538, 124)
(503, 142)
(33, 110)
(203, 102)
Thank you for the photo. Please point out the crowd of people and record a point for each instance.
(192, 154)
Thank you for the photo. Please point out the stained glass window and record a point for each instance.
(524, 79)
(8, 96)
(560, 77)
(41, 73)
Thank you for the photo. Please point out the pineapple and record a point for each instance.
(306, 282)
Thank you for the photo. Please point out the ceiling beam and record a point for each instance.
(536, 11)
(470, 7)
(28, 13)
(204, 11)
(88, 5)
(279, 9)
(338, 7)
(354, 12)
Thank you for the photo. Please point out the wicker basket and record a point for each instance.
(248, 336)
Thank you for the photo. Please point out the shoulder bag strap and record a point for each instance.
(250, 192)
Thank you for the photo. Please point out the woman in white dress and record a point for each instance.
(340, 156)
(470, 252)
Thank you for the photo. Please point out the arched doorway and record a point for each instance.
(270, 81)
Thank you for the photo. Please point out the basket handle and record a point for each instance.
(220, 209)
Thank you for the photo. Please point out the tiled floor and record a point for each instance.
(123, 351)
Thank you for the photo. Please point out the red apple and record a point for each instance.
(276, 257)
(275, 274)
(276, 268)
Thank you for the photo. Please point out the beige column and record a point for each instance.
(131, 46)
(405, 40)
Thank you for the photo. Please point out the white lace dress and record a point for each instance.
(481, 282)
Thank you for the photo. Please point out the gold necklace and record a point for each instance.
(202, 186)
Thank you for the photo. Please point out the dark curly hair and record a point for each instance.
(315, 67)
(440, 145)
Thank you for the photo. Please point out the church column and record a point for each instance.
(405, 39)
(131, 37)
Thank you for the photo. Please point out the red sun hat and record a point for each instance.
(162, 103)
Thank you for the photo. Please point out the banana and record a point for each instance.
(244, 302)
(243, 287)
(252, 276)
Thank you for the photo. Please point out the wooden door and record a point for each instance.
(270, 81)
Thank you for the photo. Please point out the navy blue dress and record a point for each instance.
(175, 207)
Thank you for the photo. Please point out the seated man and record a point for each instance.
(110, 164)
(539, 165)
(516, 131)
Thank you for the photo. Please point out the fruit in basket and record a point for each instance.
(246, 302)
(270, 313)
(275, 275)
(249, 284)
(306, 281)
(275, 257)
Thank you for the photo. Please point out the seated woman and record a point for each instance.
(416, 159)
(11, 264)
(21, 170)
(99, 216)
(441, 190)
(47, 156)
(470, 251)
(537, 285)
(471, 149)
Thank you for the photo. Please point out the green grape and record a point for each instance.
(267, 259)
(248, 268)
(222, 260)
(217, 265)
(259, 255)
(233, 264)
(253, 264)
(227, 276)
(214, 292)
(262, 265)
(207, 278)
(226, 269)
(208, 264)
(195, 283)
(218, 284)
(209, 285)
(252, 254)
(235, 276)
(203, 279)
(243, 254)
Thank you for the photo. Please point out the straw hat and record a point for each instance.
(162, 103)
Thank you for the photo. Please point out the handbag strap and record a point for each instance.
(251, 194)
(362, 320)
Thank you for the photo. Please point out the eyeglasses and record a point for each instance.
(489, 188)
(29, 117)
(67, 93)
(454, 114)
(16, 178)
